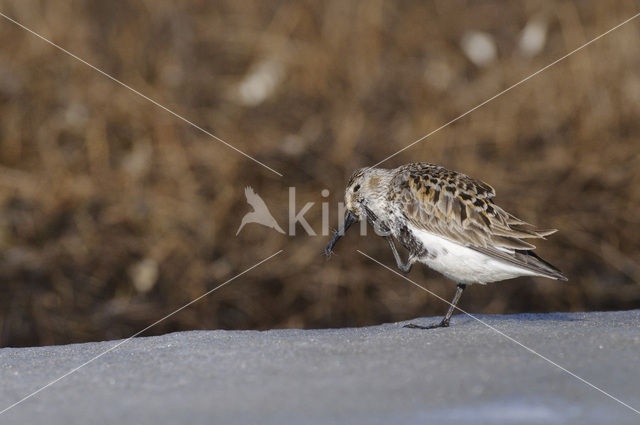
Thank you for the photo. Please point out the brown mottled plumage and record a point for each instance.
(446, 220)
(460, 208)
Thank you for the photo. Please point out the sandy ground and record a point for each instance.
(384, 374)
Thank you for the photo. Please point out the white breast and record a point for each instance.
(462, 264)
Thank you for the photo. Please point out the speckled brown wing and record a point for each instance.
(459, 208)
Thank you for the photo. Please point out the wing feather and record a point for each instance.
(460, 208)
(526, 259)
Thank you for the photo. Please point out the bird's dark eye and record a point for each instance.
(356, 188)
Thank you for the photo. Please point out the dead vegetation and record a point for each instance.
(114, 213)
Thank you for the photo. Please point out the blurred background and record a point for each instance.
(113, 213)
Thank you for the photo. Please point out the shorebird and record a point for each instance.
(446, 220)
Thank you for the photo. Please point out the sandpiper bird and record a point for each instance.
(446, 220)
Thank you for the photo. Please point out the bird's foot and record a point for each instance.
(443, 324)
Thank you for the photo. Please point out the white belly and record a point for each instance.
(462, 264)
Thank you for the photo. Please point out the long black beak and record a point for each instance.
(348, 221)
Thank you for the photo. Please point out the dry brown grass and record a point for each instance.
(100, 189)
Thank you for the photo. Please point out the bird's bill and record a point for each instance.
(350, 218)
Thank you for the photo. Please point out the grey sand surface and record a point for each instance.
(376, 375)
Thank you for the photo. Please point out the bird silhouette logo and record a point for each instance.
(260, 213)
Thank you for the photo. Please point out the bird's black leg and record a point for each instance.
(403, 267)
(445, 322)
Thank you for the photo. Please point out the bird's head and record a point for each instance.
(365, 185)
